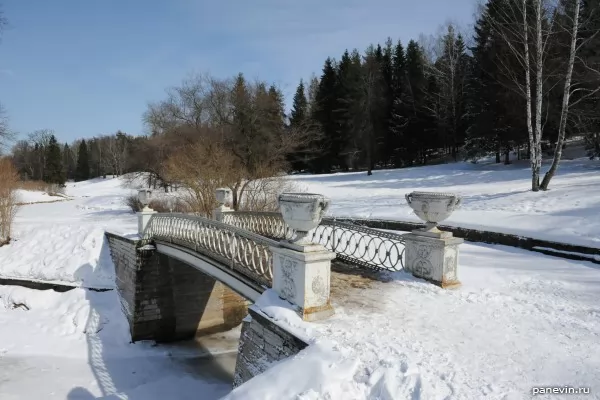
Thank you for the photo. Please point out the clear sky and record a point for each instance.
(88, 67)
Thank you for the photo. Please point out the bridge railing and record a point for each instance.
(352, 243)
(242, 250)
(269, 224)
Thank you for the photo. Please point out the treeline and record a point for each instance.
(394, 106)
(527, 78)
(41, 157)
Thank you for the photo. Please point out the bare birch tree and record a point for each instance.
(515, 25)
(571, 16)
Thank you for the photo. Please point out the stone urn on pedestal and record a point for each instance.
(303, 212)
(302, 269)
(432, 254)
(144, 197)
(223, 196)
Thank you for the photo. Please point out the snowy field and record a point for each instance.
(63, 241)
(520, 320)
(496, 197)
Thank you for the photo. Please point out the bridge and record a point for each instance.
(188, 275)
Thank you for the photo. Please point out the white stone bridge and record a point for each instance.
(188, 275)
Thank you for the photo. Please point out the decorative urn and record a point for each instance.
(302, 212)
(433, 208)
(144, 196)
(223, 195)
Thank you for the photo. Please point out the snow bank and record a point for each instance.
(26, 196)
(75, 345)
(64, 242)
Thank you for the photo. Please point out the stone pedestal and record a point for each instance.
(433, 259)
(143, 218)
(303, 278)
(219, 212)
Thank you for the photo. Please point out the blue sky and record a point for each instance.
(88, 67)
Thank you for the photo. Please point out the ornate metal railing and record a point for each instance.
(360, 245)
(269, 224)
(352, 243)
(241, 250)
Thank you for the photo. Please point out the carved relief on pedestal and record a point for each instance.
(450, 263)
(288, 271)
(421, 265)
(320, 289)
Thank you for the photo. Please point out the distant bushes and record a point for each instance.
(162, 205)
(9, 181)
(52, 189)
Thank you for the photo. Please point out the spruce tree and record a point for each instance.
(68, 162)
(299, 111)
(398, 118)
(54, 167)
(417, 117)
(348, 76)
(299, 119)
(326, 102)
(387, 143)
(82, 171)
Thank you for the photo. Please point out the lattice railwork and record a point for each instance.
(352, 243)
(360, 245)
(241, 250)
(269, 224)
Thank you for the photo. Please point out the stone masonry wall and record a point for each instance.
(124, 256)
(262, 342)
(165, 299)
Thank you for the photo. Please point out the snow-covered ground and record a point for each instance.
(496, 197)
(75, 345)
(520, 319)
(26, 197)
(63, 241)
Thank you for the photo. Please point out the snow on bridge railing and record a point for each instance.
(242, 250)
(355, 244)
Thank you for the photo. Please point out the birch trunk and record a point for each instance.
(532, 143)
(539, 44)
(564, 114)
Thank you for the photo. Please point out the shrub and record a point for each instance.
(52, 189)
(9, 180)
(261, 195)
(133, 203)
(162, 205)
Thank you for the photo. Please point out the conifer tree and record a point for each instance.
(68, 162)
(299, 111)
(398, 118)
(54, 167)
(82, 172)
(326, 103)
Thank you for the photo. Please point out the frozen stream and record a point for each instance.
(75, 345)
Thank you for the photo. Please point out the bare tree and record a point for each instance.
(5, 133)
(245, 118)
(571, 16)
(8, 198)
(529, 39)
(40, 139)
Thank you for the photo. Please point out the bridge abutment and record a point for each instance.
(165, 299)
